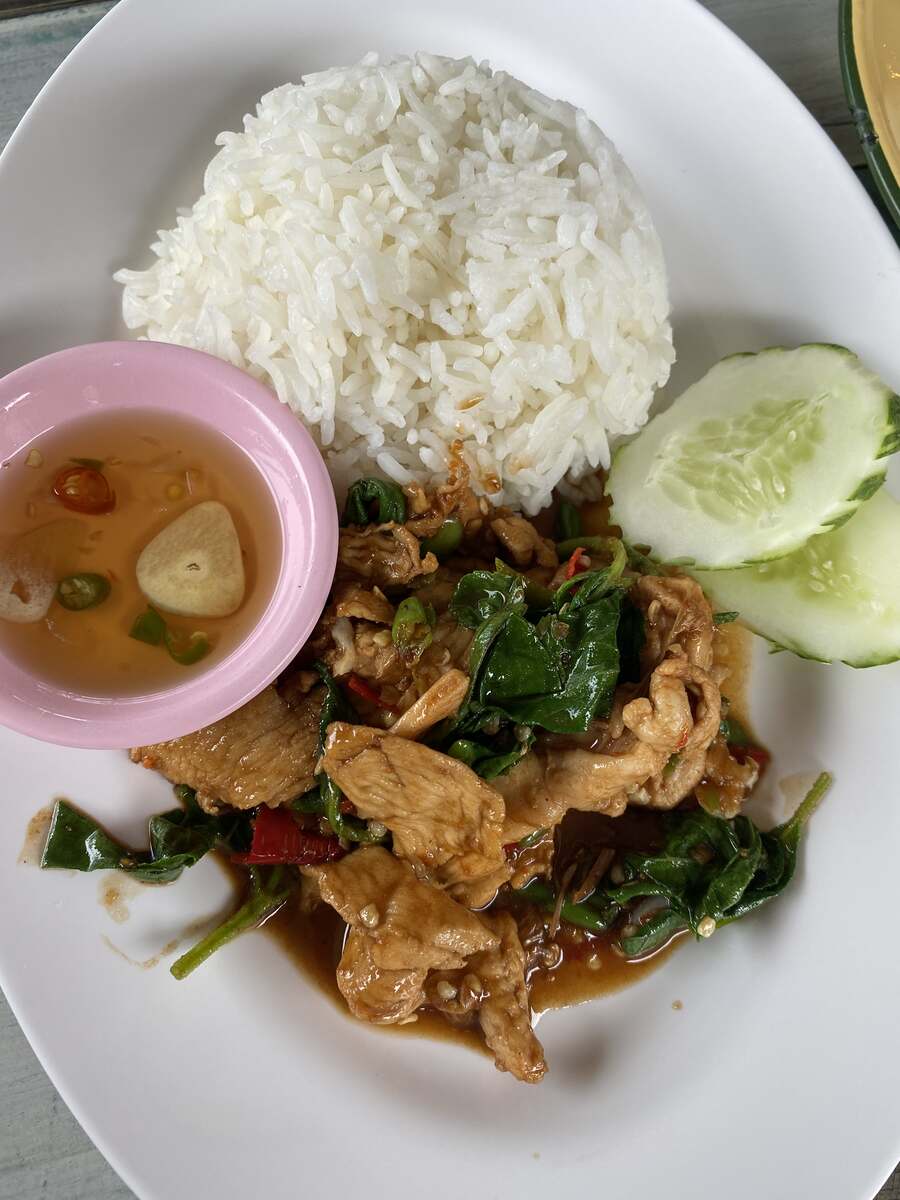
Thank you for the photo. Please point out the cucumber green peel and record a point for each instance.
(835, 599)
(766, 451)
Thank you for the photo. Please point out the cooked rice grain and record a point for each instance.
(424, 258)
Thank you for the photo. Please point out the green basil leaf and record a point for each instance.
(652, 934)
(728, 885)
(75, 842)
(585, 916)
(676, 874)
(335, 705)
(563, 679)
(481, 595)
(689, 831)
(270, 887)
(178, 839)
(521, 666)
(387, 497)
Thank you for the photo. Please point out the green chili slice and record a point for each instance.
(81, 591)
(149, 627)
(446, 540)
(186, 651)
(184, 648)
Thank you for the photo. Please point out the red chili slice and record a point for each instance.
(573, 566)
(277, 838)
(366, 692)
(84, 490)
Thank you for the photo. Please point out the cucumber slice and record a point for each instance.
(762, 453)
(836, 599)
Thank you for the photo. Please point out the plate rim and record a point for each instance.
(30, 1030)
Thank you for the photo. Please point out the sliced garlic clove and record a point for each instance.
(194, 567)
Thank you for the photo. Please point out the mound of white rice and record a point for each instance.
(424, 256)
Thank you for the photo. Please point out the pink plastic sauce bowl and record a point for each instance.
(117, 376)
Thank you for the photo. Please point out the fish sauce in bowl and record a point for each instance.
(78, 509)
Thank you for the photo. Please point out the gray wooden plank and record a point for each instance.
(44, 1155)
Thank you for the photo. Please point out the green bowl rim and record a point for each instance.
(887, 184)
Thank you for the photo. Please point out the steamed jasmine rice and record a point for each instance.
(424, 259)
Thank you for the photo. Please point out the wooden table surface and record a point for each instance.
(44, 1155)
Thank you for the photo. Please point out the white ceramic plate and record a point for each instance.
(780, 1076)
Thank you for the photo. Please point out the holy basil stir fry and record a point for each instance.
(510, 738)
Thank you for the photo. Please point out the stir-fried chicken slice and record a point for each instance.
(265, 753)
(492, 985)
(524, 543)
(441, 700)
(544, 785)
(386, 555)
(685, 766)
(366, 604)
(411, 924)
(677, 616)
(445, 820)
(364, 649)
(453, 498)
(533, 860)
(678, 778)
(373, 993)
(504, 1014)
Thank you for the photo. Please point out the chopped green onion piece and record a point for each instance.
(149, 627)
(446, 540)
(85, 590)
